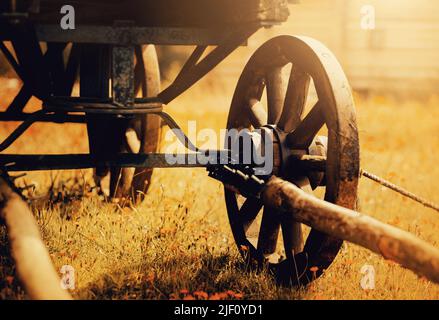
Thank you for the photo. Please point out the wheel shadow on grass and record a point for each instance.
(205, 277)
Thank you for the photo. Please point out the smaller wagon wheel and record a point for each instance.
(286, 96)
(143, 133)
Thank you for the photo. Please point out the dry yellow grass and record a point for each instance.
(178, 244)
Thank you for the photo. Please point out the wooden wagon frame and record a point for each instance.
(114, 43)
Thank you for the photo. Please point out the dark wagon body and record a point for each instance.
(150, 21)
(168, 13)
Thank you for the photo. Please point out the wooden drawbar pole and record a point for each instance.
(33, 264)
(388, 241)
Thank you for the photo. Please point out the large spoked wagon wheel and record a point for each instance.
(142, 134)
(286, 97)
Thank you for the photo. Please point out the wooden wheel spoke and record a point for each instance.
(249, 211)
(292, 232)
(303, 135)
(132, 141)
(257, 114)
(269, 231)
(292, 235)
(304, 184)
(295, 100)
(139, 71)
(276, 90)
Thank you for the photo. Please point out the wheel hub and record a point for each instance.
(284, 161)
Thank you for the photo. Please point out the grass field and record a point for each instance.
(177, 244)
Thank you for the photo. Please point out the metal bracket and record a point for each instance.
(240, 178)
(194, 69)
(122, 66)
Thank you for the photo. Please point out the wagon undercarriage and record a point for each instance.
(116, 62)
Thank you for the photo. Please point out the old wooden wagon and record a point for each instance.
(111, 51)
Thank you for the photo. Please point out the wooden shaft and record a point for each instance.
(390, 242)
(33, 264)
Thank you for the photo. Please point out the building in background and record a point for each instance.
(400, 55)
